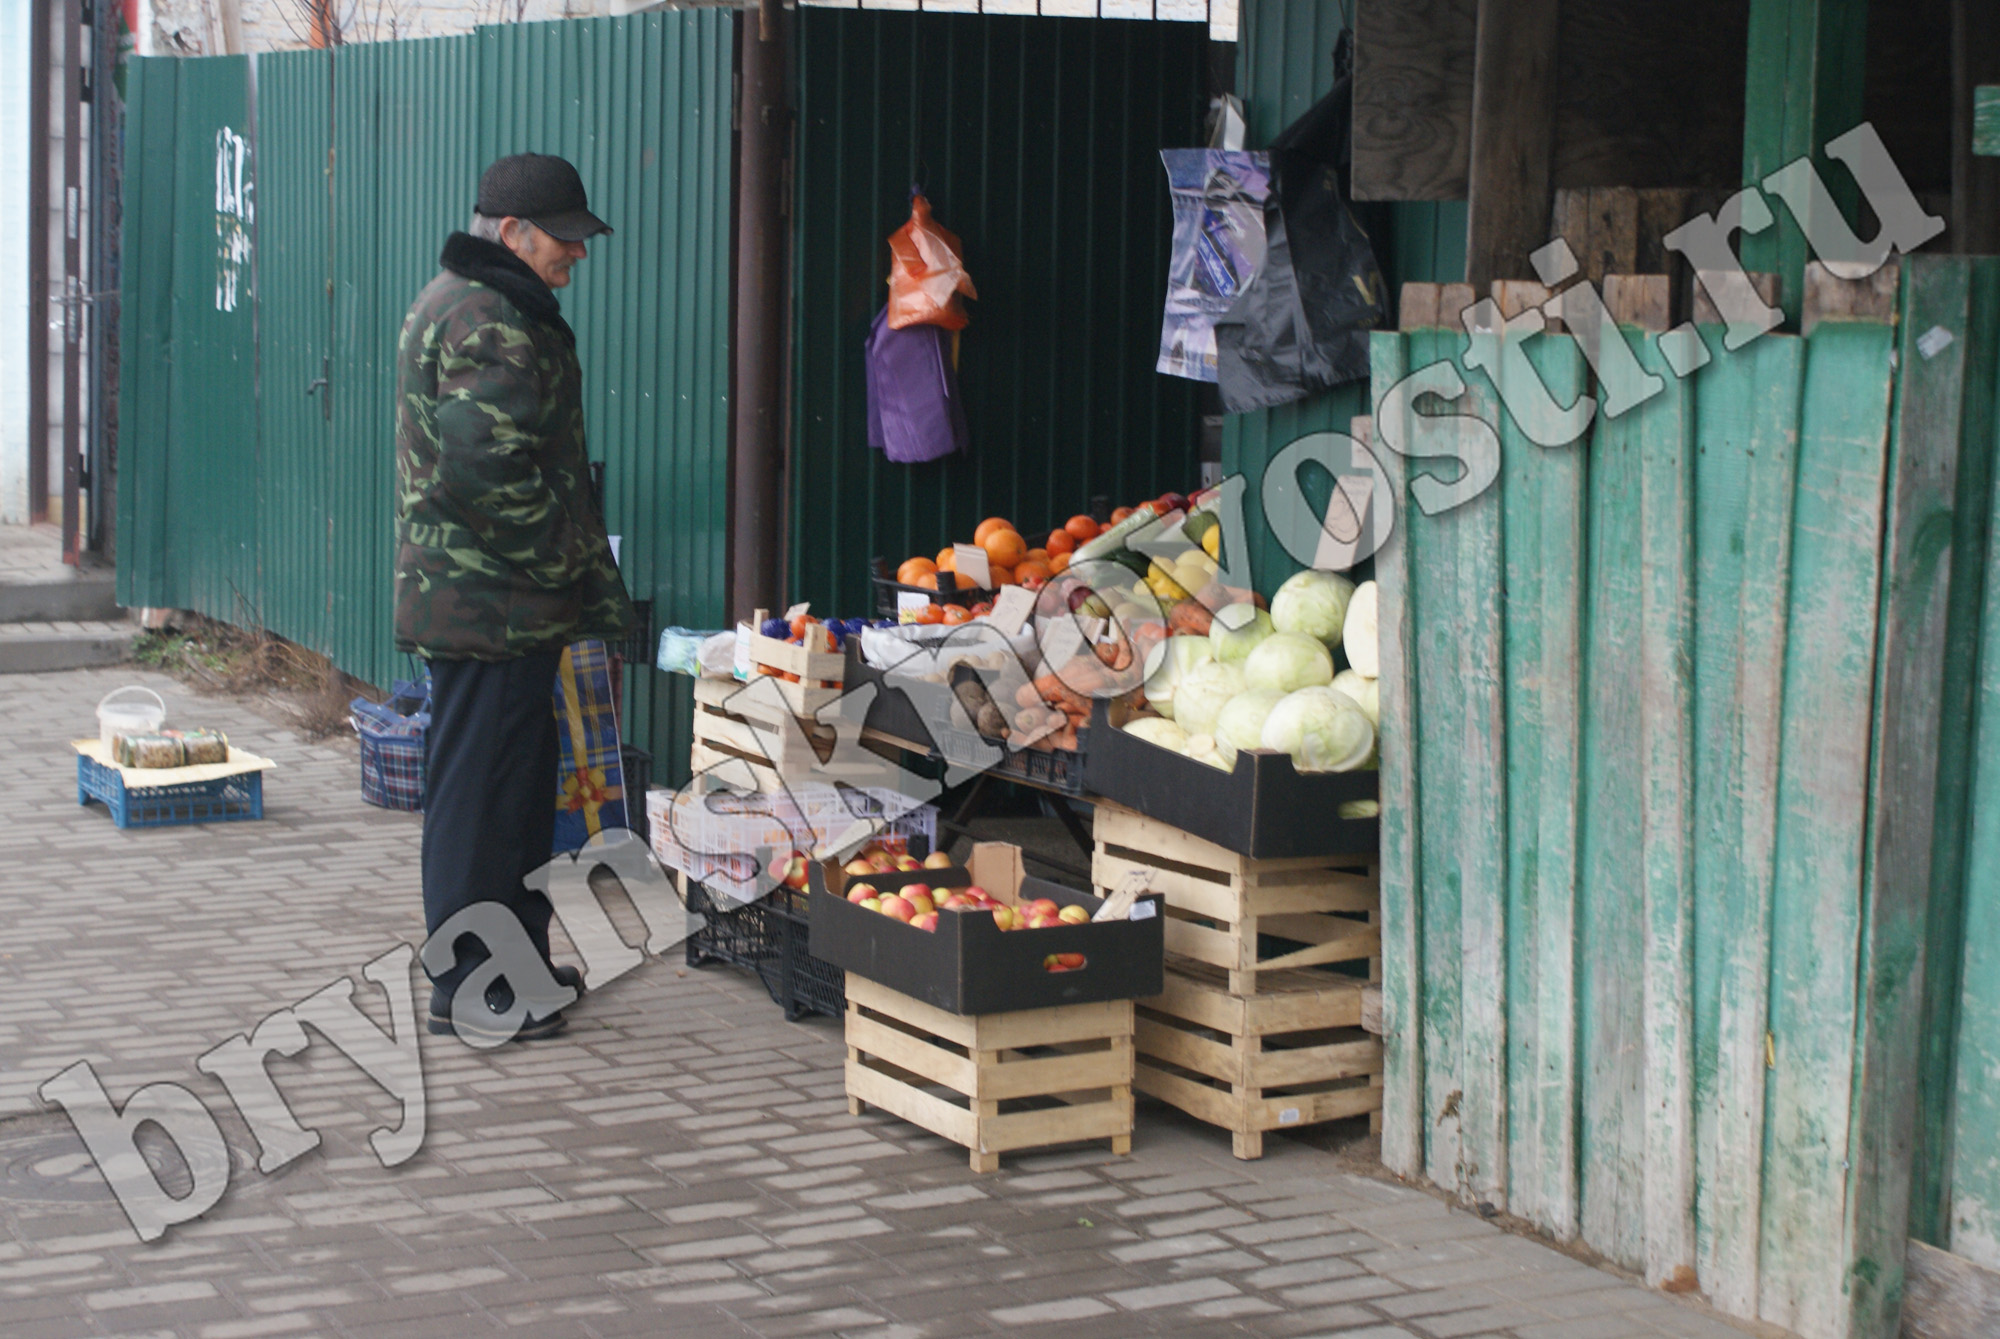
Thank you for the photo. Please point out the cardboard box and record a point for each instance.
(1264, 808)
(969, 965)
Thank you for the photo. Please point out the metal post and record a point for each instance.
(73, 287)
(757, 504)
(107, 121)
(39, 310)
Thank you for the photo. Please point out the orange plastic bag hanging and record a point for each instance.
(927, 273)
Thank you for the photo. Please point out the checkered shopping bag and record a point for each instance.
(590, 774)
(392, 744)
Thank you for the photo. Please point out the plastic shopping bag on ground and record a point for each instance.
(927, 273)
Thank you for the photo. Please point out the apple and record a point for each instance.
(1043, 922)
(1074, 914)
(861, 891)
(858, 866)
(923, 904)
(952, 901)
(906, 863)
(937, 860)
(790, 870)
(926, 920)
(873, 849)
(872, 903)
(881, 864)
(915, 890)
(898, 908)
(1043, 906)
(1069, 961)
(1003, 917)
(978, 894)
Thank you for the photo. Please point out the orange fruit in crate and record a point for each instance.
(988, 526)
(947, 560)
(928, 580)
(1002, 576)
(1081, 528)
(956, 613)
(1059, 563)
(930, 613)
(1004, 547)
(1120, 514)
(914, 568)
(1060, 541)
(1036, 556)
(1038, 571)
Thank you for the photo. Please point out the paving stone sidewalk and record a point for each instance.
(681, 1162)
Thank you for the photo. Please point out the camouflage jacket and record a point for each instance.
(500, 550)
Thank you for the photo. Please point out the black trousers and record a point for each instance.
(490, 797)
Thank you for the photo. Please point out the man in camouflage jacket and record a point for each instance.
(501, 559)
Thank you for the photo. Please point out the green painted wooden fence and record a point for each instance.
(1666, 711)
(250, 497)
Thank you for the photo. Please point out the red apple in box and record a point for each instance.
(926, 921)
(923, 904)
(882, 863)
(1074, 914)
(1069, 961)
(937, 860)
(906, 863)
(1042, 906)
(861, 891)
(860, 867)
(789, 870)
(870, 903)
(898, 908)
(915, 890)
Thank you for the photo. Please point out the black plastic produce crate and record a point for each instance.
(740, 936)
(638, 767)
(770, 937)
(887, 588)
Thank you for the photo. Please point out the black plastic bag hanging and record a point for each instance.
(1301, 325)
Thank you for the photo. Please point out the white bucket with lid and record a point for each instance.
(130, 718)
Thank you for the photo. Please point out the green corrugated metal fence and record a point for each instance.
(256, 496)
(1037, 141)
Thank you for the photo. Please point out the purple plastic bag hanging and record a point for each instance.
(914, 410)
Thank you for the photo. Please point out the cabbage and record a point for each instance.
(1287, 660)
(1237, 629)
(1358, 635)
(1156, 731)
(1365, 692)
(1202, 749)
(1241, 724)
(1360, 809)
(1202, 691)
(1323, 729)
(1167, 664)
(1312, 603)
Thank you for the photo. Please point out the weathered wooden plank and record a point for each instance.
(1831, 298)
(1413, 72)
(1749, 408)
(1542, 496)
(1665, 647)
(1477, 752)
(1610, 1036)
(1959, 753)
(1803, 86)
(1513, 139)
(1822, 814)
(1948, 1296)
(1986, 120)
(1922, 486)
(1403, 1119)
(1437, 666)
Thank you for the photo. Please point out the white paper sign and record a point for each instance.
(741, 667)
(909, 604)
(798, 611)
(1011, 609)
(971, 562)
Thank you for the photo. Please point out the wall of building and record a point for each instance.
(15, 310)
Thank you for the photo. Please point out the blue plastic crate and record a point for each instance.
(229, 799)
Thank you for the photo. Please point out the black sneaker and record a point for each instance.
(499, 999)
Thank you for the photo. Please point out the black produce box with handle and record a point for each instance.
(1264, 808)
(969, 965)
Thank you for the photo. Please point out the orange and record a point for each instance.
(1039, 571)
(1004, 547)
(956, 613)
(1059, 563)
(928, 614)
(1060, 541)
(1037, 556)
(1002, 576)
(913, 568)
(1120, 514)
(947, 560)
(988, 526)
(1081, 528)
(928, 580)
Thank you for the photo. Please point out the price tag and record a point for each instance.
(798, 611)
(1124, 900)
(909, 604)
(971, 563)
(741, 667)
(1011, 609)
(614, 548)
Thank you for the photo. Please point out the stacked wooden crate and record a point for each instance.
(768, 724)
(1245, 1037)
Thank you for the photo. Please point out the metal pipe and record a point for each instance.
(73, 311)
(757, 504)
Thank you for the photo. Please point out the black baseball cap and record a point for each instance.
(543, 189)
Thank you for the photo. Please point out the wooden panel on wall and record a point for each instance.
(1413, 98)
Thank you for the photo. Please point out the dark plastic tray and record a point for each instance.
(1264, 808)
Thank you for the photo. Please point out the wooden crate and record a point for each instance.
(1219, 902)
(730, 726)
(976, 1079)
(820, 673)
(1289, 1056)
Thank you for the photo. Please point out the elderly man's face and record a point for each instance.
(549, 257)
